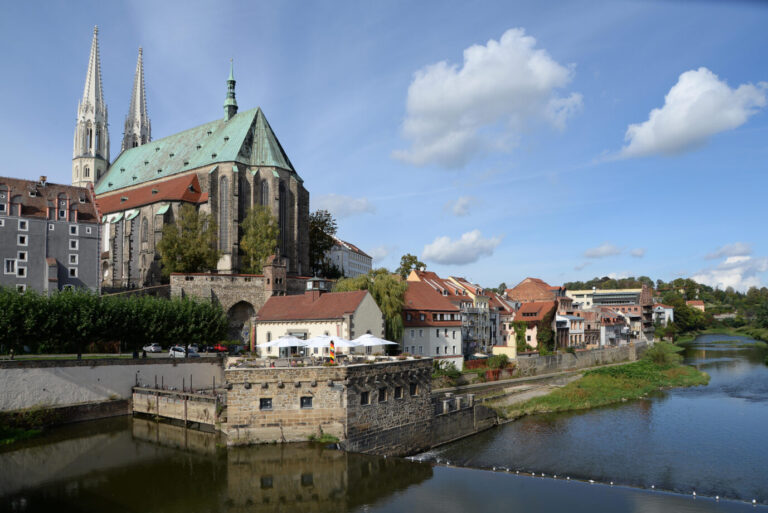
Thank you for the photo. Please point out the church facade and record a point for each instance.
(223, 168)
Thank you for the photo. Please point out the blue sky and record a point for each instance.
(486, 137)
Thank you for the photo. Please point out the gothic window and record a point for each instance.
(98, 140)
(283, 218)
(144, 231)
(264, 193)
(86, 172)
(89, 139)
(224, 214)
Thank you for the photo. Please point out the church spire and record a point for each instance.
(138, 129)
(90, 153)
(230, 104)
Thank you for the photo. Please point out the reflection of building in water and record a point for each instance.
(303, 478)
(174, 436)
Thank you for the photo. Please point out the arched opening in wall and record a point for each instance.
(86, 172)
(283, 219)
(239, 317)
(224, 214)
(264, 193)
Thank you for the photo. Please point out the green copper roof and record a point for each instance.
(246, 139)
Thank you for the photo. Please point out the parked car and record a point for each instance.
(180, 352)
(218, 348)
(153, 348)
(236, 350)
(193, 347)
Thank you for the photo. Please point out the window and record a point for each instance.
(73, 229)
(266, 482)
(383, 394)
(224, 214)
(62, 214)
(398, 392)
(73, 272)
(413, 389)
(306, 403)
(144, 231)
(269, 336)
(2, 221)
(528, 338)
(437, 350)
(420, 350)
(23, 225)
(10, 266)
(307, 480)
(421, 333)
(422, 317)
(2, 207)
(21, 288)
(408, 317)
(365, 398)
(51, 227)
(21, 272)
(88, 230)
(265, 403)
(413, 332)
(73, 259)
(454, 334)
(73, 244)
(21, 240)
(454, 349)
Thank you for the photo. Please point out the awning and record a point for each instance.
(130, 214)
(163, 209)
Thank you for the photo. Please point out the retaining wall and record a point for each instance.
(534, 365)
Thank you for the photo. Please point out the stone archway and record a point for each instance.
(239, 317)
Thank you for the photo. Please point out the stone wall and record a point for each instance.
(187, 407)
(28, 383)
(459, 416)
(534, 365)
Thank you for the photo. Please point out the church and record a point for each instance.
(223, 168)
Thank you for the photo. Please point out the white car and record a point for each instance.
(153, 348)
(179, 352)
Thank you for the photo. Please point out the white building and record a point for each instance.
(351, 260)
(663, 314)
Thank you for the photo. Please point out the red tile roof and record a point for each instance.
(421, 296)
(182, 188)
(331, 305)
(351, 247)
(664, 306)
(36, 197)
(534, 311)
(695, 302)
(532, 289)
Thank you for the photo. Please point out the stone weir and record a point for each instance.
(383, 408)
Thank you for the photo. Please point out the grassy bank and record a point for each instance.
(659, 369)
(24, 424)
(744, 331)
(10, 435)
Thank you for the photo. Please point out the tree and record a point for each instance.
(408, 263)
(322, 230)
(189, 246)
(260, 235)
(389, 293)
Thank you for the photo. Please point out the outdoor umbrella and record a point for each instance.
(290, 341)
(369, 340)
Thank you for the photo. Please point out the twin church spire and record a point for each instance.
(138, 129)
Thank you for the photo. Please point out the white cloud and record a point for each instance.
(344, 206)
(699, 106)
(460, 207)
(454, 113)
(638, 252)
(739, 272)
(619, 275)
(728, 250)
(579, 267)
(604, 250)
(380, 252)
(469, 248)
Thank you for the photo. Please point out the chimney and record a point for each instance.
(43, 179)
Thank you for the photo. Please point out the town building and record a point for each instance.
(698, 304)
(349, 259)
(575, 330)
(432, 324)
(223, 168)
(535, 314)
(501, 311)
(49, 236)
(663, 314)
(635, 304)
(317, 312)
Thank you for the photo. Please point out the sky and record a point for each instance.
(494, 139)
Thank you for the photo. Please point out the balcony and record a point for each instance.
(472, 310)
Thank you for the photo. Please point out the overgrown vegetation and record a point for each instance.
(520, 342)
(80, 321)
(24, 424)
(323, 438)
(189, 244)
(388, 290)
(660, 368)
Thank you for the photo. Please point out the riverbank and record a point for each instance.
(744, 331)
(659, 369)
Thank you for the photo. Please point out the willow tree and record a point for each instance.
(189, 245)
(388, 290)
(260, 235)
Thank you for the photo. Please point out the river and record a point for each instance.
(708, 439)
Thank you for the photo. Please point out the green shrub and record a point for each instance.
(499, 361)
(663, 353)
(447, 369)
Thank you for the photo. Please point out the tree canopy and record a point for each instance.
(388, 290)
(322, 230)
(260, 236)
(189, 244)
(409, 262)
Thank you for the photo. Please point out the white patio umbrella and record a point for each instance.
(369, 340)
(290, 341)
(323, 341)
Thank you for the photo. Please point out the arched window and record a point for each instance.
(283, 218)
(224, 214)
(89, 138)
(144, 231)
(86, 172)
(264, 193)
(98, 140)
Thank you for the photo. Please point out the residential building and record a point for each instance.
(636, 304)
(663, 314)
(534, 314)
(501, 311)
(223, 168)
(614, 328)
(432, 324)
(344, 314)
(49, 236)
(575, 325)
(351, 260)
(698, 304)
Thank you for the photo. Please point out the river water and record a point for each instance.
(711, 439)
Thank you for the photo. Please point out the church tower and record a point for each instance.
(90, 156)
(230, 104)
(138, 130)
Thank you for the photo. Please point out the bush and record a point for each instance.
(499, 361)
(663, 353)
(447, 369)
